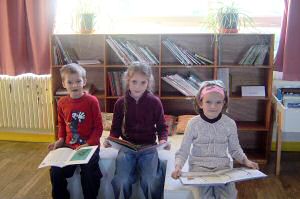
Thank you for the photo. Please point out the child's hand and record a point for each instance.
(106, 143)
(167, 147)
(176, 173)
(251, 164)
(59, 143)
(80, 146)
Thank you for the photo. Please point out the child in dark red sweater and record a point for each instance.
(139, 119)
(79, 125)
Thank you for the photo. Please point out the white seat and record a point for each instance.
(173, 188)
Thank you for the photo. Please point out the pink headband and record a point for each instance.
(210, 89)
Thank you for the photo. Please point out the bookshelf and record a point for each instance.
(252, 114)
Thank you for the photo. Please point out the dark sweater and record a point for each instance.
(144, 119)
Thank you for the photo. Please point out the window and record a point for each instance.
(167, 16)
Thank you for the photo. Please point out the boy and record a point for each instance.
(79, 125)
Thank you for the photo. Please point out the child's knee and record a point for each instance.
(123, 181)
(91, 172)
(56, 172)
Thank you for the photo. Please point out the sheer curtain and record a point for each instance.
(288, 55)
(25, 29)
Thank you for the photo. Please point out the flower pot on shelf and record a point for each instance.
(228, 23)
(87, 22)
(228, 18)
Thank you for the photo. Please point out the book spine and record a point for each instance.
(66, 58)
(116, 48)
(261, 57)
(167, 44)
(242, 61)
(175, 85)
(152, 55)
(206, 60)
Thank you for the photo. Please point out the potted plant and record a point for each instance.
(87, 22)
(85, 17)
(228, 18)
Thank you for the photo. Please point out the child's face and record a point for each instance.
(212, 104)
(138, 84)
(74, 84)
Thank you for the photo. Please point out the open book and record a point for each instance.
(118, 143)
(220, 177)
(62, 157)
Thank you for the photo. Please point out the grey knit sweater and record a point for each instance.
(211, 143)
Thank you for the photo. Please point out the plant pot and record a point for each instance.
(225, 30)
(228, 23)
(87, 22)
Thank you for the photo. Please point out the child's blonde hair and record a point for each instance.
(72, 68)
(205, 84)
(142, 68)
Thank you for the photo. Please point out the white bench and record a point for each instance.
(173, 188)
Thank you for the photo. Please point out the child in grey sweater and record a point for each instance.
(213, 136)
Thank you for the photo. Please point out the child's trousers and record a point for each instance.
(146, 166)
(90, 179)
(227, 191)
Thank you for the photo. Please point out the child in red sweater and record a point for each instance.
(79, 125)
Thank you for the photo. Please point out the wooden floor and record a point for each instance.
(20, 178)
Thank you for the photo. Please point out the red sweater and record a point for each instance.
(80, 116)
(144, 119)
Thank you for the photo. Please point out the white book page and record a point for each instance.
(57, 157)
(244, 174)
(220, 177)
(81, 156)
(212, 179)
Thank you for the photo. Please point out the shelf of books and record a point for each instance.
(180, 62)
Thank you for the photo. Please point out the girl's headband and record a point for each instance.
(210, 89)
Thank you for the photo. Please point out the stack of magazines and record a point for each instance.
(185, 56)
(129, 51)
(187, 86)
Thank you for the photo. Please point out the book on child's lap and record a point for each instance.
(118, 143)
(220, 177)
(62, 157)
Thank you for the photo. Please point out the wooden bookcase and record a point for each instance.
(252, 114)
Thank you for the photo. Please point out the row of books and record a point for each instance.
(188, 86)
(290, 97)
(255, 55)
(185, 56)
(291, 100)
(60, 56)
(63, 55)
(115, 83)
(129, 51)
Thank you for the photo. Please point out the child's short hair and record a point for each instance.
(72, 68)
(205, 84)
(139, 67)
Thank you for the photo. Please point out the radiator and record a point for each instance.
(26, 102)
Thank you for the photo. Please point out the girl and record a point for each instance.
(213, 135)
(138, 118)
